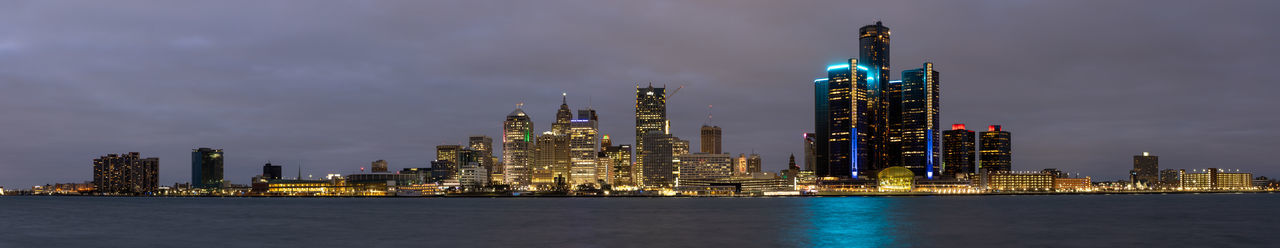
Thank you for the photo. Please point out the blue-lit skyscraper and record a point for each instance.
(846, 112)
(920, 124)
(873, 56)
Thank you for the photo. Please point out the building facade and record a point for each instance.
(378, 166)
(584, 148)
(920, 125)
(206, 168)
(656, 165)
(996, 149)
(126, 174)
(1146, 170)
(622, 171)
(705, 166)
(483, 145)
(959, 151)
(710, 142)
(517, 149)
(651, 116)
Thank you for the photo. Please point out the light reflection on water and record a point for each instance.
(849, 222)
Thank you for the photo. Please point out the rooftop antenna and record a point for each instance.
(708, 115)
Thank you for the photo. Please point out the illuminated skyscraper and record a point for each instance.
(551, 159)
(959, 156)
(920, 125)
(753, 163)
(378, 166)
(206, 168)
(126, 174)
(740, 164)
(651, 115)
(810, 151)
(821, 122)
(657, 169)
(584, 148)
(710, 142)
(272, 172)
(620, 157)
(448, 155)
(517, 149)
(679, 146)
(996, 149)
(483, 145)
(563, 117)
(873, 56)
(846, 131)
(1146, 170)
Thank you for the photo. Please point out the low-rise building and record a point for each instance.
(1215, 179)
(1073, 184)
(1019, 181)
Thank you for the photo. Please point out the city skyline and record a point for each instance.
(371, 108)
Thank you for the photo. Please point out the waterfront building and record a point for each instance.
(483, 145)
(845, 131)
(920, 125)
(1018, 181)
(704, 166)
(126, 174)
(753, 186)
(1169, 178)
(272, 172)
(810, 151)
(450, 153)
(753, 163)
(473, 176)
(391, 179)
(996, 149)
(443, 170)
(584, 148)
(1146, 170)
(740, 165)
(895, 179)
(1216, 179)
(422, 175)
(873, 57)
(656, 168)
(651, 116)
(710, 142)
(1055, 172)
(1064, 184)
(959, 156)
(620, 157)
(517, 149)
(679, 146)
(551, 160)
(206, 168)
(378, 166)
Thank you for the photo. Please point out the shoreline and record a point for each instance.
(850, 194)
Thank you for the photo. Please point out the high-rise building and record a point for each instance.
(1146, 170)
(919, 120)
(449, 153)
(740, 164)
(821, 122)
(551, 159)
(206, 168)
(657, 169)
(651, 115)
(810, 151)
(754, 163)
(873, 56)
(272, 172)
(378, 166)
(584, 148)
(996, 149)
(845, 134)
(679, 146)
(443, 170)
(622, 171)
(563, 117)
(710, 142)
(705, 166)
(126, 174)
(484, 146)
(517, 149)
(959, 156)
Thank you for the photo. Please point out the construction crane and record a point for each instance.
(673, 93)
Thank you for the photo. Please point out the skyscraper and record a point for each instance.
(620, 157)
(1146, 170)
(754, 163)
(272, 172)
(710, 142)
(846, 131)
(584, 148)
(959, 156)
(705, 166)
(126, 174)
(821, 122)
(448, 157)
(920, 124)
(206, 168)
(996, 149)
(740, 165)
(657, 169)
(873, 56)
(378, 166)
(483, 145)
(551, 160)
(517, 149)
(651, 115)
(679, 146)
(810, 151)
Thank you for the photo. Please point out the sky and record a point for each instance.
(330, 86)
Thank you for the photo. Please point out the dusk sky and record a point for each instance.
(333, 85)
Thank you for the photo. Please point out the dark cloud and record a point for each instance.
(331, 86)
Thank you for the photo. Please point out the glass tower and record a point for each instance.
(996, 149)
(206, 168)
(919, 120)
(517, 149)
(959, 154)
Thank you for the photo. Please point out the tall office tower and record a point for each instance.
(517, 149)
(893, 148)
(651, 115)
(378, 166)
(847, 132)
(443, 169)
(679, 146)
(563, 117)
(710, 142)
(740, 164)
(448, 153)
(551, 159)
(583, 147)
(1146, 170)
(705, 166)
(126, 174)
(996, 149)
(920, 124)
(959, 156)
(810, 151)
(656, 168)
(605, 142)
(753, 163)
(821, 122)
(272, 172)
(873, 56)
(484, 145)
(206, 168)
(622, 171)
